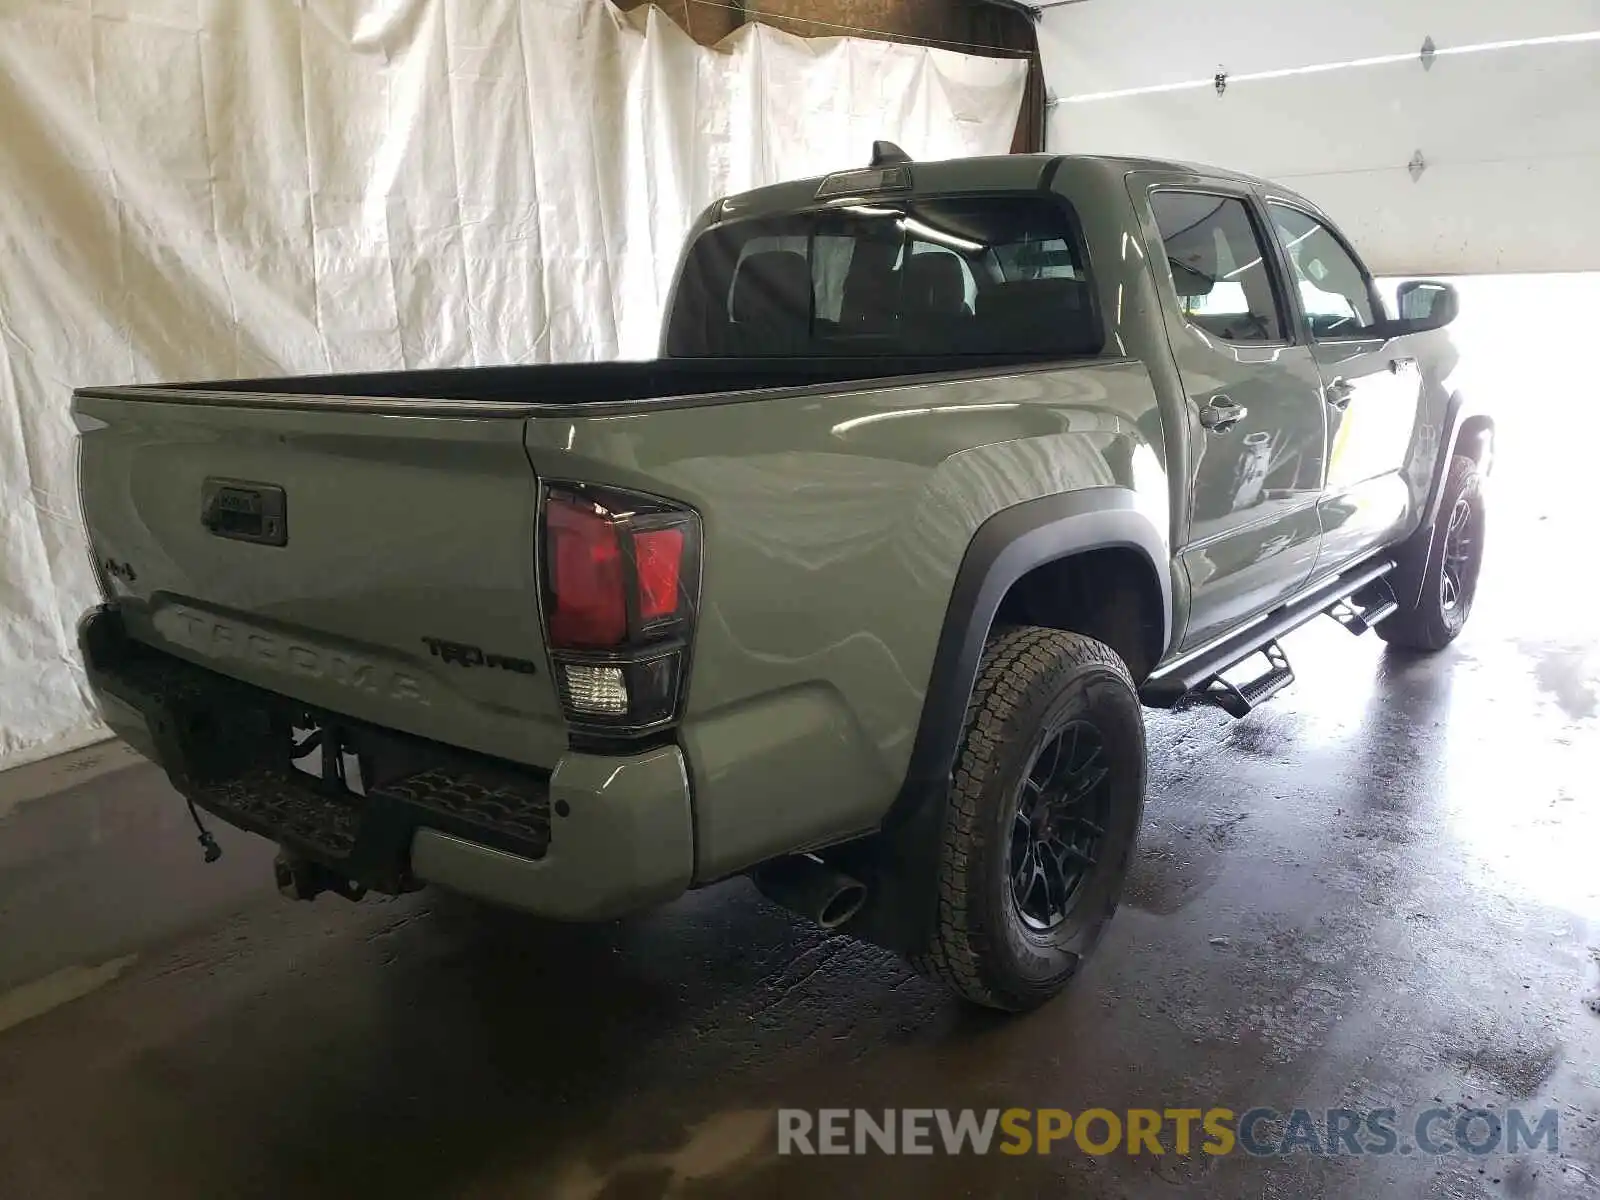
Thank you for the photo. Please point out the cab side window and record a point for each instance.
(1219, 266)
(1335, 292)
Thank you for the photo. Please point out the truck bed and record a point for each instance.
(565, 384)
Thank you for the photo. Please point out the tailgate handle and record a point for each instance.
(244, 511)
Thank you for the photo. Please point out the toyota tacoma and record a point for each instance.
(944, 472)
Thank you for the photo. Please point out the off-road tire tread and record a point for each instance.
(1014, 662)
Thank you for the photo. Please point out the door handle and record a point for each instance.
(1340, 392)
(1221, 414)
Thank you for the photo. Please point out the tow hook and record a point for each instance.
(301, 879)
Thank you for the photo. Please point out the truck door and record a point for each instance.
(1371, 387)
(1257, 431)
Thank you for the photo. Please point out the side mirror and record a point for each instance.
(1426, 304)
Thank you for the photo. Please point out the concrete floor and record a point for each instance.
(1379, 890)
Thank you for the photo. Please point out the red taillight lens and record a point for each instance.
(659, 553)
(589, 607)
(621, 590)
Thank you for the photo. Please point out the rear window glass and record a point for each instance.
(1003, 275)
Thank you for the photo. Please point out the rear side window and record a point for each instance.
(1218, 265)
(997, 275)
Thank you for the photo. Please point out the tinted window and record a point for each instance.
(1218, 266)
(1003, 275)
(1043, 258)
(1334, 290)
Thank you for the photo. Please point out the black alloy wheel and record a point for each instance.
(1059, 826)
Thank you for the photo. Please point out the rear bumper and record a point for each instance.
(597, 837)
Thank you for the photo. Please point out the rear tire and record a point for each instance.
(1041, 821)
(1432, 615)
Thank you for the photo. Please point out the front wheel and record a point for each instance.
(1041, 820)
(1433, 617)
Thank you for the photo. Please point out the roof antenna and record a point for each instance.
(886, 154)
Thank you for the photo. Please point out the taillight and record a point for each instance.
(659, 555)
(589, 606)
(621, 585)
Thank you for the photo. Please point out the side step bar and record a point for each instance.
(1360, 612)
(1238, 699)
(1196, 678)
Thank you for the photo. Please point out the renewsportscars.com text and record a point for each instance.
(1262, 1132)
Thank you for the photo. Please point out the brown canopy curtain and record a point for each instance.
(1001, 28)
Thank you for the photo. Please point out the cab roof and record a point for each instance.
(1001, 173)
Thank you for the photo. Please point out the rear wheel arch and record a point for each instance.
(1110, 593)
(1016, 556)
(1088, 562)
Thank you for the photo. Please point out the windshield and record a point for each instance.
(999, 275)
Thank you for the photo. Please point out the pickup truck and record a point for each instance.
(944, 472)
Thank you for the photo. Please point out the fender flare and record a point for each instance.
(1419, 545)
(1005, 548)
(901, 861)
(1459, 411)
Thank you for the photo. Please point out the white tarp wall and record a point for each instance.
(1335, 101)
(203, 188)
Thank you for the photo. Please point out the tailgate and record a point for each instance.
(372, 560)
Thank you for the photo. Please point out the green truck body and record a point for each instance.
(860, 527)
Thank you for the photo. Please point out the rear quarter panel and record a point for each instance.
(835, 522)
